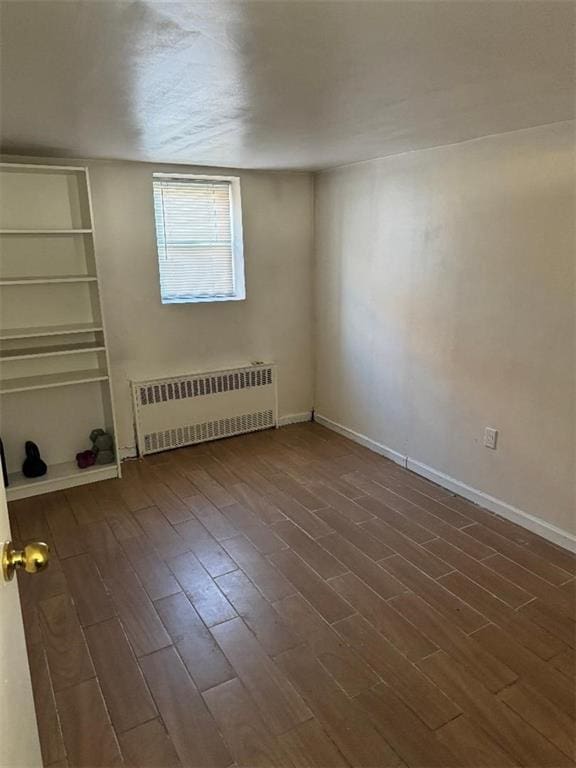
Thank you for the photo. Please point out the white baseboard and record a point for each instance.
(294, 418)
(535, 524)
(532, 523)
(383, 450)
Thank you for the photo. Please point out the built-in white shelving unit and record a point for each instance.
(54, 366)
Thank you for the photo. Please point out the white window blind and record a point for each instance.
(194, 233)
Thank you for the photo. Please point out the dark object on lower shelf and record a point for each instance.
(3, 462)
(85, 459)
(33, 465)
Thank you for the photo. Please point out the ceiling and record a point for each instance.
(278, 85)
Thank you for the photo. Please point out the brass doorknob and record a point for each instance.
(33, 558)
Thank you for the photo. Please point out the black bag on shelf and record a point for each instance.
(33, 465)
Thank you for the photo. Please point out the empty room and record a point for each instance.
(288, 383)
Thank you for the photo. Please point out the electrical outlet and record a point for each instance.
(490, 437)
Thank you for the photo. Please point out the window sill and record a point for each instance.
(203, 300)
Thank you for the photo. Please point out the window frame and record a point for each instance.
(237, 237)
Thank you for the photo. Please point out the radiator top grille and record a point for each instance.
(201, 385)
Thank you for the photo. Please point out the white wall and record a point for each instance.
(148, 339)
(445, 303)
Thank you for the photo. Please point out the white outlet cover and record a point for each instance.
(490, 437)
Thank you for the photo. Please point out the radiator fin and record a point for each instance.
(208, 430)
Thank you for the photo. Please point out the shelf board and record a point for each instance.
(50, 380)
(53, 351)
(59, 476)
(45, 231)
(34, 167)
(47, 280)
(48, 330)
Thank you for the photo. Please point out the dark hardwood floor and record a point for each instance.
(288, 598)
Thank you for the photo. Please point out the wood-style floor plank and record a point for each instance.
(557, 623)
(133, 494)
(372, 574)
(494, 673)
(472, 745)
(83, 505)
(507, 591)
(64, 528)
(66, 650)
(543, 716)
(384, 617)
(260, 535)
(92, 600)
(526, 745)
(311, 552)
(428, 701)
(345, 665)
(148, 746)
(206, 548)
(213, 491)
(49, 730)
(105, 550)
(533, 584)
(116, 513)
(264, 511)
(529, 667)
(309, 746)
(251, 743)
(268, 579)
(355, 737)
(357, 535)
(280, 706)
(272, 633)
(190, 726)
(565, 662)
(163, 536)
(455, 611)
(152, 571)
(210, 516)
(399, 522)
(139, 618)
(526, 632)
(520, 555)
(169, 504)
(331, 498)
(88, 734)
(405, 732)
(412, 552)
(308, 521)
(289, 598)
(413, 512)
(311, 586)
(201, 589)
(126, 695)
(196, 646)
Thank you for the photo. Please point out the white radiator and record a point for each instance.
(182, 410)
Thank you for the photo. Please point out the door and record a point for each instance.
(19, 744)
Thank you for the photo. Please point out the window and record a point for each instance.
(199, 238)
